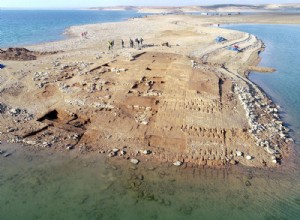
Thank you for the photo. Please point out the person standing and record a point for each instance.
(131, 43)
(122, 42)
(137, 41)
(109, 45)
(112, 44)
(141, 40)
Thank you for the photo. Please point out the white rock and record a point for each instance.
(248, 157)
(111, 154)
(115, 150)
(122, 152)
(69, 147)
(146, 152)
(274, 161)
(134, 161)
(239, 153)
(177, 163)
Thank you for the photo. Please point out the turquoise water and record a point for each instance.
(24, 27)
(47, 185)
(282, 52)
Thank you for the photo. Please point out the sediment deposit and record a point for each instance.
(179, 98)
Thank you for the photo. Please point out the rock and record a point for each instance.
(149, 196)
(3, 108)
(69, 147)
(46, 144)
(167, 203)
(233, 162)
(177, 163)
(248, 157)
(133, 167)
(274, 161)
(187, 210)
(111, 154)
(30, 142)
(15, 111)
(115, 150)
(122, 152)
(248, 183)
(239, 153)
(7, 154)
(134, 161)
(147, 152)
(166, 44)
(151, 168)
(10, 130)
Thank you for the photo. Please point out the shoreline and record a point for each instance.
(68, 31)
(206, 68)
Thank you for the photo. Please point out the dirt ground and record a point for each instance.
(187, 102)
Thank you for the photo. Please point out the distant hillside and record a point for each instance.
(116, 8)
(282, 6)
(207, 8)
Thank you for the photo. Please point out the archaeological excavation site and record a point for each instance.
(164, 103)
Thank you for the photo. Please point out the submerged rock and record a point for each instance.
(248, 183)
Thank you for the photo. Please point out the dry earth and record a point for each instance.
(189, 101)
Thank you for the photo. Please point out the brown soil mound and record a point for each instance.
(21, 54)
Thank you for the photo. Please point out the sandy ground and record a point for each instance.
(188, 102)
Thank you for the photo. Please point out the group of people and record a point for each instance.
(84, 34)
(139, 43)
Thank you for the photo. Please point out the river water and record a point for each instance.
(25, 27)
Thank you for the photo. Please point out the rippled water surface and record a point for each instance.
(50, 186)
(282, 52)
(23, 27)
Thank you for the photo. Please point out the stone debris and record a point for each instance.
(69, 147)
(118, 70)
(134, 161)
(101, 106)
(262, 132)
(248, 157)
(141, 118)
(122, 152)
(177, 163)
(239, 153)
(115, 150)
(146, 152)
(3, 108)
(111, 154)
(7, 154)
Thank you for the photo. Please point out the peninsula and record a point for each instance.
(181, 96)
